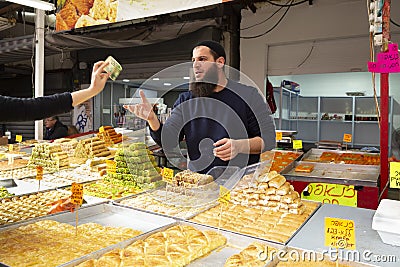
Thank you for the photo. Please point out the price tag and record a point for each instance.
(394, 175)
(77, 194)
(111, 166)
(10, 148)
(167, 174)
(297, 144)
(101, 129)
(18, 138)
(224, 195)
(10, 159)
(340, 233)
(278, 136)
(39, 173)
(347, 138)
(344, 195)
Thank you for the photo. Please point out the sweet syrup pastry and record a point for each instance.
(50, 243)
(176, 246)
(255, 255)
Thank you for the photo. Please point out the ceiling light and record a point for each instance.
(167, 84)
(125, 80)
(186, 78)
(156, 79)
(35, 4)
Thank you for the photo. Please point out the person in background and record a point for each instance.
(222, 121)
(14, 109)
(54, 128)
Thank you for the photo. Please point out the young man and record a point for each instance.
(54, 128)
(223, 122)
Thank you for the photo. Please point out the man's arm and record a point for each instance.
(227, 149)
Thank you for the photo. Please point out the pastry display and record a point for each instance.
(67, 145)
(19, 173)
(110, 189)
(279, 159)
(135, 165)
(304, 167)
(4, 192)
(24, 207)
(271, 225)
(177, 246)
(50, 156)
(50, 243)
(190, 179)
(17, 163)
(149, 202)
(91, 147)
(268, 191)
(255, 255)
(346, 158)
(109, 136)
(66, 177)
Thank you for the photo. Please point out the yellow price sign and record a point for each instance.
(167, 174)
(18, 138)
(77, 194)
(39, 173)
(111, 166)
(297, 144)
(224, 194)
(394, 175)
(10, 148)
(338, 194)
(101, 129)
(340, 233)
(347, 138)
(278, 136)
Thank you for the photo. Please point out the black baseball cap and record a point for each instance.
(214, 46)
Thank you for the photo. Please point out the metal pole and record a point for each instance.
(384, 79)
(39, 65)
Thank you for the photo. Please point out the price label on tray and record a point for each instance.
(224, 195)
(101, 129)
(347, 138)
(111, 166)
(297, 144)
(167, 174)
(39, 173)
(18, 138)
(10, 148)
(340, 233)
(278, 136)
(394, 175)
(77, 194)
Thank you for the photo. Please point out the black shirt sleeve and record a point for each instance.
(26, 109)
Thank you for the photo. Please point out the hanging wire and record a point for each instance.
(286, 5)
(271, 29)
(261, 22)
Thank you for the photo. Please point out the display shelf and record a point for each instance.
(357, 116)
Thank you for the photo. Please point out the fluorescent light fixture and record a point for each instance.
(125, 80)
(35, 4)
(156, 79)
(186, 78)
(167, 84)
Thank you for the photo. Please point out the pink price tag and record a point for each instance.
(387, 62)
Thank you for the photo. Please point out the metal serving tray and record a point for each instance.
(235, 243)
(7, 183)
(349, 174)
(260, 238)
(314, 153)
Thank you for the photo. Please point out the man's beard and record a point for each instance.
(205, 86)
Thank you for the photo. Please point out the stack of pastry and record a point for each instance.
(68, 145)
(49, 156)
(190, 179)
(19, 208)
(269, 191)
(109, 136)
(279, 159)
(176, 246)
(256, 254)
(267, 224)
(91, 147)
(50, 243)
